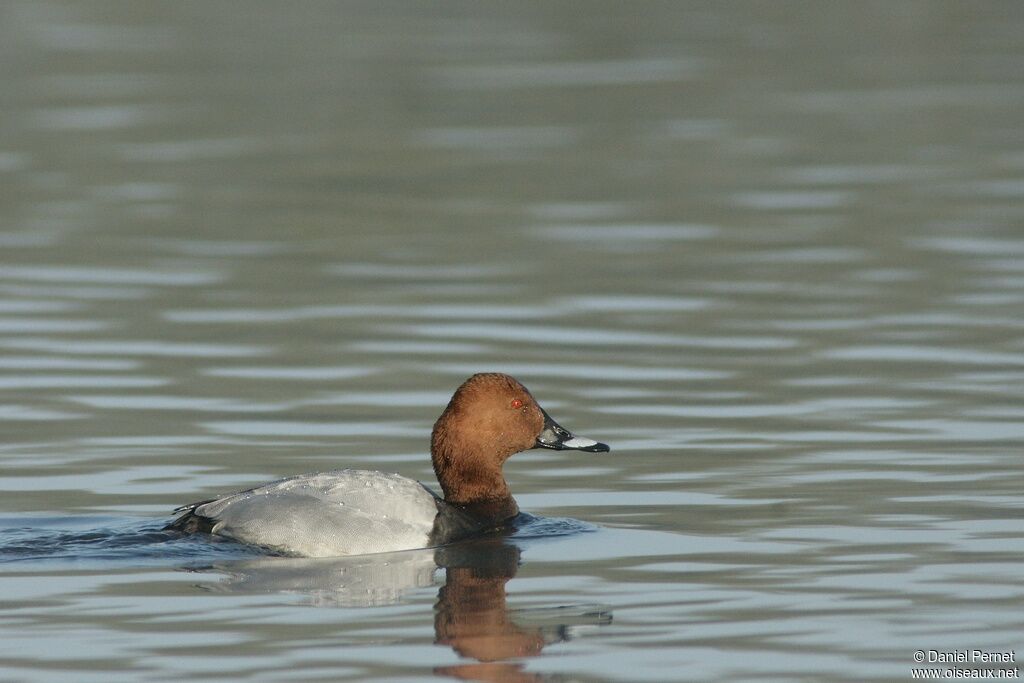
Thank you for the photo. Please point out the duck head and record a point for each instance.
(489, 418)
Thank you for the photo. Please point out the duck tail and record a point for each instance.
(191, 522)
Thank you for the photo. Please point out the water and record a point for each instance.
(771, 254)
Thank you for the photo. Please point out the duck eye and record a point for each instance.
(517, 403)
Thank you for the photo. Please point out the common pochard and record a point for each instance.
(355, 512)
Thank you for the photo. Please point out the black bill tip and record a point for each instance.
(557, 437)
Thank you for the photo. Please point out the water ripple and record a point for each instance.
(591, 336)
(301, 374)
(11, 325)
(58, 363)
(135, 348)
(924, 354)
(629, 233)
(165, 402)
(109, 275)
(569, 74)
(314, 429)
(9, 382)
(595, 372)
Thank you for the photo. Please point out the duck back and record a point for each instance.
(339, 512)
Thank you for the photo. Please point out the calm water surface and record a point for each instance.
(772, 254)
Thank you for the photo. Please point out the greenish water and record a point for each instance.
(771, 253)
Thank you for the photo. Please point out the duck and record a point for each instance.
(490, 417)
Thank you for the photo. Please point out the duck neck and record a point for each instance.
(475, 485)
(491, 513)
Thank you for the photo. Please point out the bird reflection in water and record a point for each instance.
(471, 614)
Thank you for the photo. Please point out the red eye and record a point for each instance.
(517, 403)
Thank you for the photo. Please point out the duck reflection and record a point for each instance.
(471, 614)
(356, 581)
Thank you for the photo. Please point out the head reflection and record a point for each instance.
(472, 615)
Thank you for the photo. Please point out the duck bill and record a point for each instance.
(559, 438)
